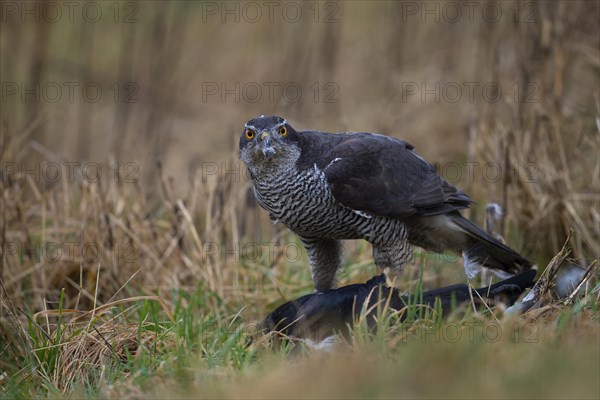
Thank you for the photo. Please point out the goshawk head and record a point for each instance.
(268, 142)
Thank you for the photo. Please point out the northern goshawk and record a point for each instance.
(329, 187)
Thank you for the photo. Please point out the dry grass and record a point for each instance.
(79, 323)
(186, 238)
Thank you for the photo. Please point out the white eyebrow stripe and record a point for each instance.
(256, 129)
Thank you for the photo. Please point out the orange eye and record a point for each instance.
(249, 134)
(282, 131)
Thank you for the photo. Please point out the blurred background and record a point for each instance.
(120, 177)
(501, 96)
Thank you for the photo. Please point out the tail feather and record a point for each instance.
(483, 249)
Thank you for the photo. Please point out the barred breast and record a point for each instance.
(302, 201)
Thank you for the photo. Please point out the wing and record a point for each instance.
(384, 176)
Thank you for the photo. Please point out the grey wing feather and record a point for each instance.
(384, 176)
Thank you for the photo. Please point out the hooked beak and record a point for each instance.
(265, 144)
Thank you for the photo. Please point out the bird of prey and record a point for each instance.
(317, 316)
(328, 187)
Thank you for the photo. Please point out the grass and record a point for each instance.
(152, 286)
(134, 349)
(111, 337)
(167, 305)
